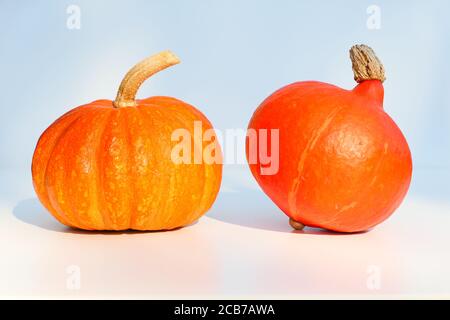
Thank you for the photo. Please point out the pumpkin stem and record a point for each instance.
(139, 73)
(296, 225)
(365, 64)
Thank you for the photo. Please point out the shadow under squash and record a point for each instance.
(248, 208)
(253, 209)
(32, 212)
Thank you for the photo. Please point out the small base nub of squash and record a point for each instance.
(296, 225)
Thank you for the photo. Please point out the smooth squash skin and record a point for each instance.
(102, 167)
(344, 165)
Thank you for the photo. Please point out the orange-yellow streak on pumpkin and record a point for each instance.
(114, 173)
(56, 173)
(73, 181)
(41, 157)
(292, 196)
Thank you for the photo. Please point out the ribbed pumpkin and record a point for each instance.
(107, 165)
(344, 164)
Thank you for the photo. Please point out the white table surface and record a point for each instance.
(242, 248)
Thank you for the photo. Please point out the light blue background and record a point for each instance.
(234, 54)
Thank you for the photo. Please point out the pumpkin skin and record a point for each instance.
(344, 165)
(99, 167)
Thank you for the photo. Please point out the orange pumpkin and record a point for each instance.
(107, 165)
(344, 165)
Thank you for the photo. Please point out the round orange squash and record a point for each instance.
(344, 165)
(107, 165)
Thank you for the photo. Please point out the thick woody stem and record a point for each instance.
(139, 73)
(365, 64)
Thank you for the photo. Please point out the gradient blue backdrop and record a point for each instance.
(234, 54)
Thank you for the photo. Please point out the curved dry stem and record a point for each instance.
(139, 73)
